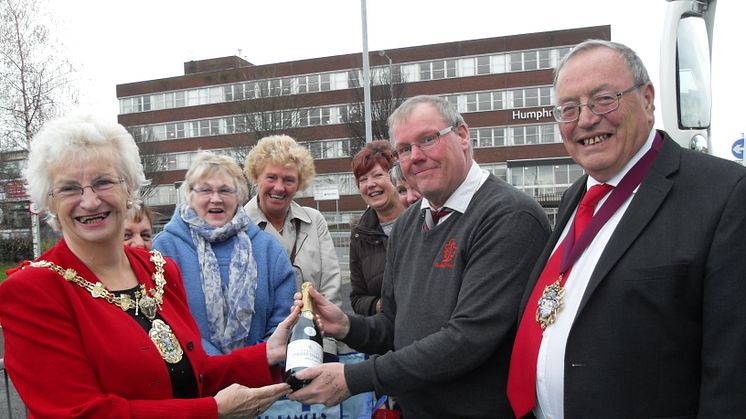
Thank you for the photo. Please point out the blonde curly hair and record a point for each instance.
(281, 150)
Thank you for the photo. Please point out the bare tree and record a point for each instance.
(153, 163)
(35, 82)
(268, 108)
(388, 91)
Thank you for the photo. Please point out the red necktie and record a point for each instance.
(522, 376)
(431, 220)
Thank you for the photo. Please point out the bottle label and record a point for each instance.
(310, 331)
(303, 353)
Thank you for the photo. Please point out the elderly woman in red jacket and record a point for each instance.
(97, 329)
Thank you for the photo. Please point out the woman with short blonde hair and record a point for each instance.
(279, 167)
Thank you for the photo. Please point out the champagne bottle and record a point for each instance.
(305, 346)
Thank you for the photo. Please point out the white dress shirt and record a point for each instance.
(550, 371)
(461, 197)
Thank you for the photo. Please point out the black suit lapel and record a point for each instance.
(643, 207)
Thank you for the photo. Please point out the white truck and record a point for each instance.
(685, 62)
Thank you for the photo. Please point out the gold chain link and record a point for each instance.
(98, 290)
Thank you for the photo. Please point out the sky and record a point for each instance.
(113, 43)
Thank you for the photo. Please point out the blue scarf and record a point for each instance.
(229, 311)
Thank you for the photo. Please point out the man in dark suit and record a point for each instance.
(641, 313)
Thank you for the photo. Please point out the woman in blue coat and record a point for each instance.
(238, 279)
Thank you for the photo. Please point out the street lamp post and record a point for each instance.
(366, 76)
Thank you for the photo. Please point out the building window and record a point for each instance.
(484, 101)
(471, 102)
(229, 96)
(339, 81)
(500, 170)
(516, 61)
(325, 83)
(487, 137)
(547, 134)
(216, 95)
(275, 87)
(530, 61)
(353, 78)
(313, 83)
(328, 149)
(249, 90)
(158, 101)
(530, 97)
(315, 115)
(542, 179)
(303, 117)
(425, 71)
(545, 96)
(125, 105)
(545, 58)
(451, 68)
(483, 65)
(518, 98)
(179, 99)
(326, 116)
(497, 100)
(533, 134)
(169, 100)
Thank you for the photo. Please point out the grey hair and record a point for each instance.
(630, 57)
(207, 164)
(446, 109)
(396, 174)
(73, 139)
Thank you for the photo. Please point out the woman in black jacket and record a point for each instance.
(369, 238)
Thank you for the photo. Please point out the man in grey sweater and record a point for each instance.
(456, 266)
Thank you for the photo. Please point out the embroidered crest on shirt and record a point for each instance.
(449, 253)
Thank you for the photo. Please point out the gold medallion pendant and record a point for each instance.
(550, 304)
(148, 306)
(166, 342)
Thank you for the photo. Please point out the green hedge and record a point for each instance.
(16, 249)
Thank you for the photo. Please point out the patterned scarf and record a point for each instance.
(228, 316)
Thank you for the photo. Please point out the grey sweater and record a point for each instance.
(450, 306)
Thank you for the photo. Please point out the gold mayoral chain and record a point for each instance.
(160, 333)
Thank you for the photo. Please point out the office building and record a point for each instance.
(502, 86)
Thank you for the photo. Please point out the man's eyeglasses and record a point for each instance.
(600, 104)
(425, 143)
(205, 192)
(100, 187)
